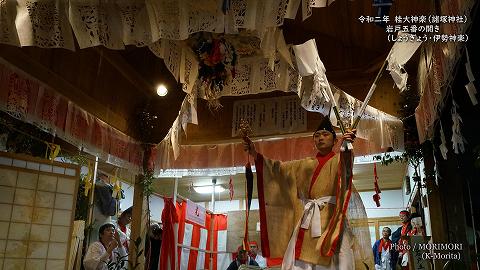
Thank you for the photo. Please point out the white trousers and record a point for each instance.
(343, 260)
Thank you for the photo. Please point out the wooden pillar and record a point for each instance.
(138, 225)
(437, 218)
(91, 196)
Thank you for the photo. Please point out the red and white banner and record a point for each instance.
(196, 236)
(29, 101)
(195, 213)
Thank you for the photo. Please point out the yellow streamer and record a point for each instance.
(89, 178)
(117, 186)
(54, 150)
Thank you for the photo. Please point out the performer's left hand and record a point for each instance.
(350, 135)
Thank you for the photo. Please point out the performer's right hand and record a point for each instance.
(249, 147)
(111, 246)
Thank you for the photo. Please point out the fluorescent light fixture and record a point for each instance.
(208, 189)
(369, 159)
(162, 90)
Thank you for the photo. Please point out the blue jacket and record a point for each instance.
(377, 256)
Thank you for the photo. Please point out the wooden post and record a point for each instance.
(439, 230)
(90, 203)
(138, 225)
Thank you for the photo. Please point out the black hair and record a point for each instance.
(242, 251)
(157, 230)
(389, 230)
(127, 211)
(104, 227)
(326, 125)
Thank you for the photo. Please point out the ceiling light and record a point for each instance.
(162, 90)
(208, 189)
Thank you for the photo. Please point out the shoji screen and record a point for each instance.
(37, 204)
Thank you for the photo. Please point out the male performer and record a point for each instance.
(303, 205)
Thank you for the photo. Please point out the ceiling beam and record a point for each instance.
(127, 71)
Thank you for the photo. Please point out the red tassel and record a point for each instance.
(230, 188)
(376, 198)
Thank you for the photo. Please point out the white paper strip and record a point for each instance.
(399, 55)
(472, 91)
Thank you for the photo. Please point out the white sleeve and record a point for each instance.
(121, 251)
(262, 262)
(96, 257)
(123, 237)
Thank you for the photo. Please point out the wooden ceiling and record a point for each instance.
(115, 85)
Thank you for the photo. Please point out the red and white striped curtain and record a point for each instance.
(194, 235)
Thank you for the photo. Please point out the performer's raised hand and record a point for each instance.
(249, 147)
(350, 135)
(111, 246)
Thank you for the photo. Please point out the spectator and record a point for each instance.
(106, 250)
(382, 250)
(262, 262)
(242, 258)
(153, 245)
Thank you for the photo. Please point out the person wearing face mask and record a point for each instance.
(242, 258)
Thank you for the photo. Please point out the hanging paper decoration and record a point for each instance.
(399, 55)
(230, 188)
(443, 146)
(470, 86)
(217, 59)
(309, 63)
(457, 138)
(376, 196)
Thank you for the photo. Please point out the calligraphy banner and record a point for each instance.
(278, 115)
(32, 102)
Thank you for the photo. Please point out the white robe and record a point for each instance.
(97, 256)
(385, 260)
(343, 260)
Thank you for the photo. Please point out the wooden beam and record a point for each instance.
(16, 59)
(127, 71)
(138, 225)
(438, 221)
